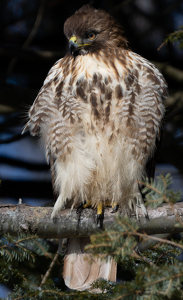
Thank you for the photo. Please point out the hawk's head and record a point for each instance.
(89, 30)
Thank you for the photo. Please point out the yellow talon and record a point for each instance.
(81, 206)
(88, 204)
(115, 207)
(109, 203)
(114, 204)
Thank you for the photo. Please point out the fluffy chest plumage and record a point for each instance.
(90, 91)
(115, 97)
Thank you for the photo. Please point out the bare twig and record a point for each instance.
(50, 268)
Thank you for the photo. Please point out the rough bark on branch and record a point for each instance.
(23, 218)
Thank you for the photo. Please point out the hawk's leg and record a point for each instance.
(83, 205)
(100, 210)
(100, 214)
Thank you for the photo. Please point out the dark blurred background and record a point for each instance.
(32, 40)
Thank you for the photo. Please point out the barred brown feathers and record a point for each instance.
(99, 115)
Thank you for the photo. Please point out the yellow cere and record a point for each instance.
(73, 38)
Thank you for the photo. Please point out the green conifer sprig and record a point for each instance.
(176, 36)
(29, 290)
(162, 253)
(22, 247)
(152, 283)
(13, 248)
(159, 191)
(121, 233)
(9, 271)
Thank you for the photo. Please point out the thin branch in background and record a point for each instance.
(30, 37)
(50, 268)
(159, 48)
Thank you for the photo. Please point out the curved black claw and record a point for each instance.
(100, 218)
(115, 209)
(80, 207)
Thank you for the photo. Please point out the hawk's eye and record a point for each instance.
(91, 36)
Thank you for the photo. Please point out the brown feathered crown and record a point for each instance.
(95, 29)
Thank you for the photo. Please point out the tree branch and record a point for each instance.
(15, 219)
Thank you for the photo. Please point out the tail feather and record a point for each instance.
(108, 270)
(81, 269)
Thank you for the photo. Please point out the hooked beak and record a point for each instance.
(73, 45)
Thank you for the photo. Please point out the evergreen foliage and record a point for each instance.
(159, 191)
(176, 36)
(154, 274)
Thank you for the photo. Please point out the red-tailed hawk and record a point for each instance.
(99, 115)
